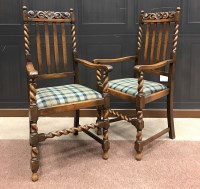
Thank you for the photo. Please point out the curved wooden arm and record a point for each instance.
(92, 65)
(140, 68)
(32, 72)
(108, 61)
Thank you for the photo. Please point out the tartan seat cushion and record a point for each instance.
(129, 86)
(52, 96)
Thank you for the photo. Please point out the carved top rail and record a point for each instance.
(48, 14)
(171, 16)
(159, 15)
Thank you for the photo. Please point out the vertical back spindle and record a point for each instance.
(146, 43)
(166, 40)
(159, 42)
(38, 44)
(153, 43)
(56, 53)
(48, 55)
(64, 46)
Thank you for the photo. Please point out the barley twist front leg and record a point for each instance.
(34, 163)
(140, 103)
(138, 142)
(106, 143)
(99, 108)
(106, 107)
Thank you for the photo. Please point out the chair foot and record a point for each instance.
(105, 155)
(138, 156)
(76, 133)
(106, 144)
(99, 131)
(35, 177)
(172, 136)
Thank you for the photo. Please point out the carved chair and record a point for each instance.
(50, 31)
(156, 54)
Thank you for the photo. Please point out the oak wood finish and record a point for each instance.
(156, 54)
(51, 23)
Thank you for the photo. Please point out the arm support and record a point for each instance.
(92, 65)
(140, 68)
(108, 61)
(32, 72)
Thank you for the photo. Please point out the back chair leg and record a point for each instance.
(76, 120)
(170, 117)
(34, 163)
(99, 130)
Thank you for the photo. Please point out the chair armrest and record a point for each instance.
(140, 68)
(108, 61)
(32, 72)
(92, 65)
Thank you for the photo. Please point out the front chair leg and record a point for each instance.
(138, 142)
(138, 145)
(106, 144)
(34, 163)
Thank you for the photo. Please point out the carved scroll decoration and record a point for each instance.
(48, 14)
(159, 15)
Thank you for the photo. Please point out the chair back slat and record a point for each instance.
(159, 42)
(38, 44)
(166, 40)
(64, 46)
(47, 47)
(146, 43)
(153, 42)
(56, 53)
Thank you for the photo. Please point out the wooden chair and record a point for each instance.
(50, 35)
(156, 54)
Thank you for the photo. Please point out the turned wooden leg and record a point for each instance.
(170, 117)
(34, 163)
(138, 145)
(140, 104)
(106, 144)
(76, 121)
(99, 130)
(138, 142)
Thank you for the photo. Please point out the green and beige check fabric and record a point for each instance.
(129, 86)
(52, 96)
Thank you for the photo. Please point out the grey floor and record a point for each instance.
(18, 128)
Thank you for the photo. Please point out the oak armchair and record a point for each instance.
(50, 31)
(156, 54)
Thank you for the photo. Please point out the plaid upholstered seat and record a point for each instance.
(129, 86)
(52, 96)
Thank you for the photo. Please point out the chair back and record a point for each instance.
(48, 41)
(158, 35)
